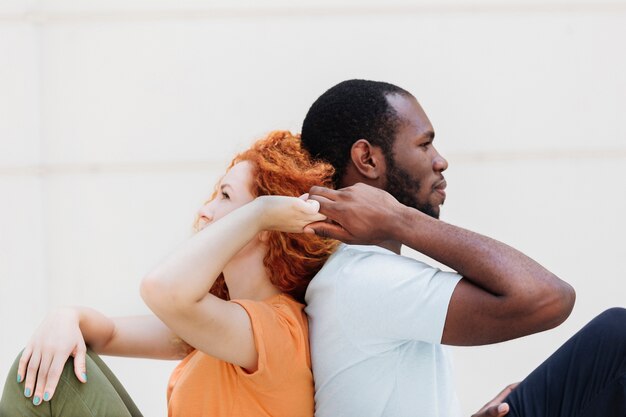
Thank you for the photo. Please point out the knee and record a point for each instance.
(612, 322)
(614, 315)
(16, 362)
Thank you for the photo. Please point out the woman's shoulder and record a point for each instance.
(279, 309)
(286, 308)
(280, 330)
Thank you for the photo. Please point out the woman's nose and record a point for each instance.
(206, 212)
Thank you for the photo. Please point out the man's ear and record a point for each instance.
(368, 160)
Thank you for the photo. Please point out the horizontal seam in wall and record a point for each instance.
(53, 16)
(204, 166)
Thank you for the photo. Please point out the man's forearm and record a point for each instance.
(488, 263)
(497, 268)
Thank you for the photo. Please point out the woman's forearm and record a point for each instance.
(133, 336)
(97, 329)
(188, 274)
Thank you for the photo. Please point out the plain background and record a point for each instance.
(116, 118)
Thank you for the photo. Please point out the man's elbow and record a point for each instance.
(567, 301)
(557, 305)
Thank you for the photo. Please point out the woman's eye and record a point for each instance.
(225, 195)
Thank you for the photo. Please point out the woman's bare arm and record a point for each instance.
(66, 332)
(135, 336)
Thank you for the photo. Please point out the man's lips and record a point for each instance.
(440, 187)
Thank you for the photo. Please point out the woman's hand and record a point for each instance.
(288, 214)
(57, 338)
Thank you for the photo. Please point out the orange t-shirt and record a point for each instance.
(204, 386)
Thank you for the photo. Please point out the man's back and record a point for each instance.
(376, 320)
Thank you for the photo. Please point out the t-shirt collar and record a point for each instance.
(367, 248)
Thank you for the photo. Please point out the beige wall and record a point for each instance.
(117, 116)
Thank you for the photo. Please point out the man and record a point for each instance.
(378, 320)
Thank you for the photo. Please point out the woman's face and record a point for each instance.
(234, 191)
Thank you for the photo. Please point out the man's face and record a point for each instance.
(414, 168)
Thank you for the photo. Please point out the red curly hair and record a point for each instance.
(282, 167)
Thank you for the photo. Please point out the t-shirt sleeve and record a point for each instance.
(281, 342)
(386, 298)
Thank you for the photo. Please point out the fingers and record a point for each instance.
(42, 376)
(505, 392)
(80, 368)
(512, 386)
(311, 206)
(31, 374)
(311, 210)
(23, 363)
(493, 411)
(326, 206)
(323, 192)
(331, 230)
(501, 410)
(54, 374)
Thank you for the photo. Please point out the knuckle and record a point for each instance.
(53, 375)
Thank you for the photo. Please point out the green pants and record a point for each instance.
(102, 395)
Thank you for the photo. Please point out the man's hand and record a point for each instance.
(495, 407)
(360, 213)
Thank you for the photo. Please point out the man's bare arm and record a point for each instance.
(504, 294)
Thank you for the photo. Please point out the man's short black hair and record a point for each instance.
(347, 112)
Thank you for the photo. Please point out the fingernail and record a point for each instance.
(502, 408)
(27, 392)
(37, 400)
(46, 396)
(84, 375)
(19, 378)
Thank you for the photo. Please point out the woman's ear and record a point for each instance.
(367, 159)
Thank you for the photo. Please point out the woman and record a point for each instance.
(228, 301)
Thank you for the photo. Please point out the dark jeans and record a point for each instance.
(102, 395)
(586, 377)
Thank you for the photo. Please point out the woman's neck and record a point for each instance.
(247, 278)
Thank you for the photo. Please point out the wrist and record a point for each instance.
(74, 314)
(405, 222)
(256, 210)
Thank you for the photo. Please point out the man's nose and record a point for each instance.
(440, 163)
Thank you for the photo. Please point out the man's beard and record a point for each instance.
(405, 189)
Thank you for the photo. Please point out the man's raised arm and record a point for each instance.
(503, 295)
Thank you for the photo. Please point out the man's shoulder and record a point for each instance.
(357, 262)
(365, 252)
(351, 258)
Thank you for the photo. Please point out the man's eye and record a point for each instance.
(425, 145)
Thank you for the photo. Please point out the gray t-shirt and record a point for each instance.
(376, 321)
